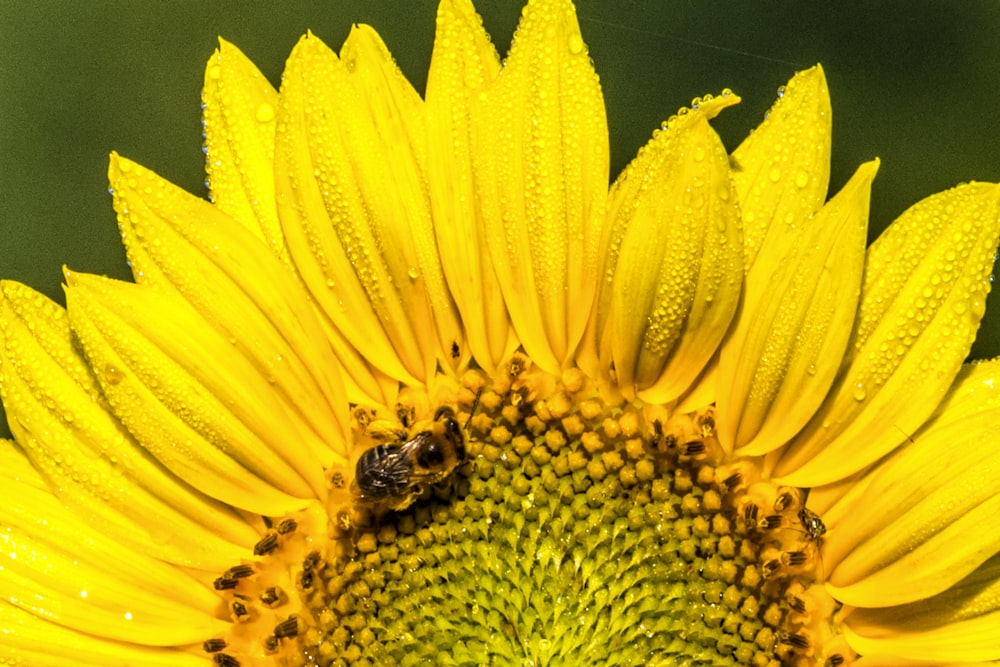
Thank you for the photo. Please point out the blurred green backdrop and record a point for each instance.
(917, 84)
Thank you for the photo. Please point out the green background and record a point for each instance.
(917, 85)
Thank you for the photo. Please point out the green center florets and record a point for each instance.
(578, 532)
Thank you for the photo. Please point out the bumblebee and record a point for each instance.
(394, 475)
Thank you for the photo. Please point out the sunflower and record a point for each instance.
(416, 387)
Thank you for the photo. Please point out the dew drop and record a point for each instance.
(774, 174)
(801, 179)
(575, 44)
(265, 113)
(112, 375)
(214, 72)
(859, 393)
(978, 309)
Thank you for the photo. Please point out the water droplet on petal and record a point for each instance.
(112, 375)
(978, 308)
(265, 113)
(859, 393)
(575, 44)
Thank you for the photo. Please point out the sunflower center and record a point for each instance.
(580, 530)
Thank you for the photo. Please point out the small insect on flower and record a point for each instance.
(812, 524)
(750, 514)
(394, 475)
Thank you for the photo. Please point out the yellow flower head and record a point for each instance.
(417, 387)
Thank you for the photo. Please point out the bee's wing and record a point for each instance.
(383, 471)
(410, 450)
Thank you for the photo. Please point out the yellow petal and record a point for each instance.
(924, 292)
(917, 528)
(353, 205)
(402, 217)
(782, 169)
(674, 258)
(176, 241)
(540, 162)
(238, 111)
(31, 640)
(56, 566)
(958, 625)
(894, 661)
(191, 399)
(702, 392)
(801, 296)
(830, 500)
(464, 60)
(56, 412)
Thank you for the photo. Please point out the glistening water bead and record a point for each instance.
(582, 531)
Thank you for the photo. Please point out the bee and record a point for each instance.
(394, 475)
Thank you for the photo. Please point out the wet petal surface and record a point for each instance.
(926, 280)
(57, 413)
(540, 163)
(673, 268)
(798, 310)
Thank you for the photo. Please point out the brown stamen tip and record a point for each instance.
(214, 645)
(273, 597)
(287, 628)
(240, 611)
(266, 545)
(239, 572)
(225, 583)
